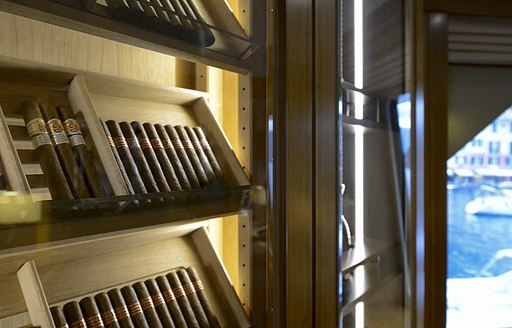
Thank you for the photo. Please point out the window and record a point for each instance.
(494, 147)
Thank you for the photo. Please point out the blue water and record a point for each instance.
(473, 240)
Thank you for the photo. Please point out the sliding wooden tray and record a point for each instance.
(57, 275)
(91, 97)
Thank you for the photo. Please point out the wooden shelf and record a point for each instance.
(231, 51)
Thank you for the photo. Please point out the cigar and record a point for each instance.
(206, 37)
(120, 308)
(126, 157)
(91, 313)
(136, 11)
(150, 156)
(203, 159)
(188, 32)
(171, 302)
(163, 159)
(106, 310)
(192, 155)
(191, 295)
(84, 158)
(138, 157)
(119, 9)
(179, 293)
(208, 151)
(58, 317)
(159, 303)
(150, 20)
(203, 298)
(74, 315)
(169, 22)
(147, 305)
(45, 152)
(134, 308)
(119, 162)
(175, 160)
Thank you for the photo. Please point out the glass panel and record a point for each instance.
(375, 121)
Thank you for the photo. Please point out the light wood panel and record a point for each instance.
(44, 43)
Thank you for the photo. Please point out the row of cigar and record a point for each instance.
(179, 19)
(61, 151)
(177, 299)
(155, 158)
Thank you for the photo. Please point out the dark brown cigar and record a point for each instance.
(163, 159)
(150, 156)
(134, 308)
(120, 308)
(169, 22)
(106, 311)
(91, 313)
(159, 303)
(147, 305)
(138, 157)
(188, 33)
(84, 158)
(206, 37)
(119, 9)
(203, 159)
(136, 11)
(74, 315)
(205, 145)
(182, 300)
(58, 317)
(203, 298)
(191, 295)
(119, 162)
(171, 302)
(126, 157)
(150, 20)
(174, 159)
(45, 152)
(192, 155)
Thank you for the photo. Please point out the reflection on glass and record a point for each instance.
(479, 189)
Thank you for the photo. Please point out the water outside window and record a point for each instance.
(479, 189)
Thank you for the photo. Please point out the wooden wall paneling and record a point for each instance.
(45, 43)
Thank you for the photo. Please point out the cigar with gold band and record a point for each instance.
(203, 298)
(138, 157)
(192, 155)
(150, 156)
(205, 145)
(126, 157)
(147, 305)
(45, 152)
(120, 308)
(181, 298)
(74, 315)
(203, 159)
(91, 313)
(171, 302)
(106, 311)
(159, 302)
(163, 159)
(190, 294)
(174, 159)
(134, 307)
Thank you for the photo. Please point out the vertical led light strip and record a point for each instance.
(359, 182)
(358, 44)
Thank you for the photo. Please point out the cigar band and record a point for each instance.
(177, 144)
(144, 143)
(132, 143)
(205, 144)
(178, 292)
(109, 317)
(157, 143)
(71, 127)
(111, 141)
(94, 321)
(120, 142)
(78, 324)
(158, 300)
(167, 144)
(197, 145)
(189, 288)
(40, 140)
(77, 139)
(134, 309)
(35, 127)
(121, 312)
(146, 303)
(198, 285)
(169, 296)
(187, 144)
(54, 126)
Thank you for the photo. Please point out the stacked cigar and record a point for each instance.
(179, 19)
(176, 299)
(155, 158)
(61, 151)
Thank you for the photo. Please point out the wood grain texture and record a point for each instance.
(44, 43)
